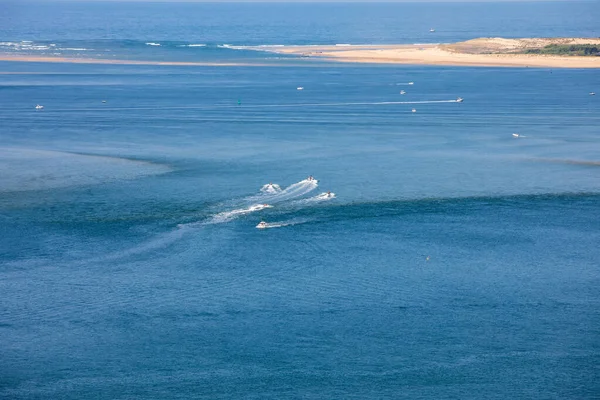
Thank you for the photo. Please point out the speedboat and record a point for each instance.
(432, 30)
(411, 83)
(261, 225)
(592, 94)
(299, 88)
(516, 135)
(414, 110)
(402, 92)
(38, 107)
(459, 100)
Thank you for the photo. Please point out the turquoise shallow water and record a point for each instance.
(455, 261)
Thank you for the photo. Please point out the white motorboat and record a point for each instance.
(459, 100)
(432, 30)
(402, 92)
(414, 110)
(38, 107)
(299, 88)
(261, 225)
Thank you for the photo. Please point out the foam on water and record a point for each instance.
(316, 199)
(271, 188)
(294, 191)
(273, 192)
(227, 216)
(269, 225)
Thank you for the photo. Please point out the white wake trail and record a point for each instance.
(270, 225)
(227, 216)
(296, 190)
(251, 106)
(316, 199)
(275, 194)
(271, 188)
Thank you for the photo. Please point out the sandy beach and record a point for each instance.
(478, 52)
(484, 52)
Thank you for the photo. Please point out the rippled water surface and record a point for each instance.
(451, 259)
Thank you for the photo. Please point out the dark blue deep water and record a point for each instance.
(455, 261)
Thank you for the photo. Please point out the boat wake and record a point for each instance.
(272, 193)
(326, 196)
(269, 194)
(227, 216)
(271, 188)
(296, 190)
(270, 225)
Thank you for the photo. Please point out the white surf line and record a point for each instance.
(375, 103)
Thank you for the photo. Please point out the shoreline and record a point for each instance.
(482, 52)
(457, 54)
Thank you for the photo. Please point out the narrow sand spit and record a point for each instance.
(477, 52)
(489, 52)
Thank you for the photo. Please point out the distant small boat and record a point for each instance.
(592, 94)
(411, 83)
(104, 101)
(402, 92)
(432, 30)
(460, 100)
(414, 110)
(299, 88)
(38, 107)
(516, 135)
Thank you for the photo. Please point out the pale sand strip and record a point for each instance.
(487, 52)
(435, 55)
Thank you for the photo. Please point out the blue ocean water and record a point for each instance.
(215, 31)
(455, 260)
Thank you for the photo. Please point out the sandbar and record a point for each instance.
(490, 52)
(482, 52)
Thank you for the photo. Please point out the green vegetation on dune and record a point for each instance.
(567, 50)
